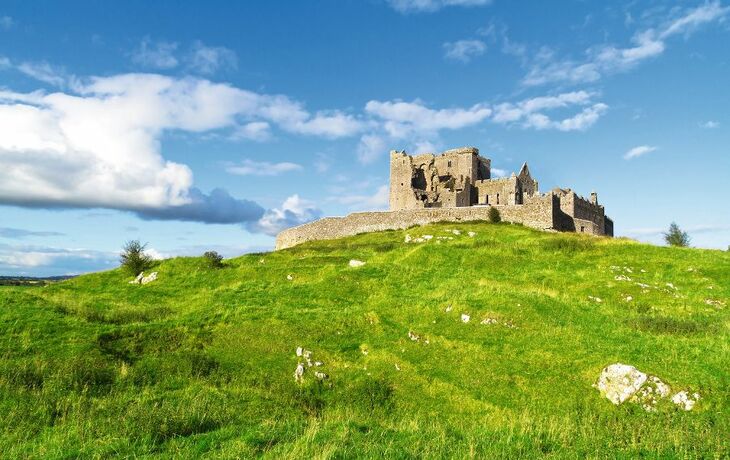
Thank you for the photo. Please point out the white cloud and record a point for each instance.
(639, 151)
(208, 59)
(529, 113)
(43, 71)
(408, 6)
(156, 54)
(496, 172)
(608, 59)
(371, 147)
(403, 119)
(261, 168)
(6, 22)
(45, 261)
(710, 124)
(464, 50)
(376, 201)
(256, 131)
(99, 145)
(294, 211)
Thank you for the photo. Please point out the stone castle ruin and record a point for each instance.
(456, 185)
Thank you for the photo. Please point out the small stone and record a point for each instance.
(489, 321)
(456, 232)
(299, 373)
(448, 309)
(300, 351)
(356, 263)
(138, 279)
(318, 363)
(413, 336)
(321, 375)
(472, 234)
(290, 277)
(407, 239)
(465, 318)
(622, 278)
(427, 237)
(595, 299)
(685, 401)
(629, 298)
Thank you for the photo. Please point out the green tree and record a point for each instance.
(676, 237)
(213, 259)
(494, 215)
(133, 257)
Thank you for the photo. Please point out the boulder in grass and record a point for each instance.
(149, 278)
(685, 400)
(356, 263)
(619, 382)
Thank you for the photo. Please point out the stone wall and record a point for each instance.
(537, 213)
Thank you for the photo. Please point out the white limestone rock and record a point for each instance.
(456, 232)
(489, 321)
(465, 318)
(299, 373)
(471, 234)
(300, 351)
(685, 401)
(619, 382)
(408, 239)
(650, 393)
(149, 278)
(356, 263)
(413, 336)
(290, 277)
(138, 279)
(321, 375)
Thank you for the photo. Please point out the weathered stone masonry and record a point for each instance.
(457, 186)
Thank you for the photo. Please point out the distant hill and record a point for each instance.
(31, 280)
(448, 346)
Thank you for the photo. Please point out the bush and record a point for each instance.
(134, 259)
(494, 215)
(676, 237)
(213, 259)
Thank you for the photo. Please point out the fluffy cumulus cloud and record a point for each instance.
(413, 123)
(408, 6)
(464, 50)
(639, 151)
(261, 168)
(294, 211)
(606, 59)
(530, 113)
(99, 145)
(710, 124)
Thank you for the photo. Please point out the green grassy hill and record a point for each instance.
(201, 362)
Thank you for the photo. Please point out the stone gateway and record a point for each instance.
(456, 185)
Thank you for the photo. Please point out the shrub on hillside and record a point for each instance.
(213, 259)
(134, 259)
(676, 237)
(494, 215)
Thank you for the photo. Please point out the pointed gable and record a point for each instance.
(524, 170)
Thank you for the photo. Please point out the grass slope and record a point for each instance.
(201, 362)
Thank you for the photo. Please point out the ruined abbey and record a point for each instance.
(461, 178)
(457, 185)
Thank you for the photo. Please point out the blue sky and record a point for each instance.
(212, 125)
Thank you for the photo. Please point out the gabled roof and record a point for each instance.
(524, 170)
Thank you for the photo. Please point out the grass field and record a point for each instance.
(200, 363)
